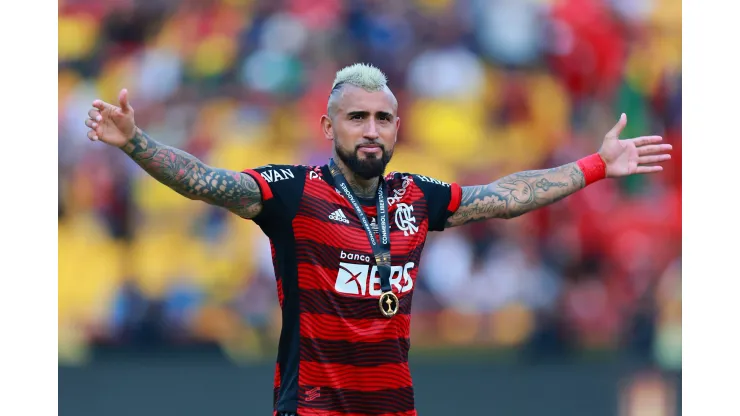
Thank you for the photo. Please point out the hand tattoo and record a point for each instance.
(517, 194)
(188, 176)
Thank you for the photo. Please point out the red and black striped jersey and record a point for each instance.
(338, 354)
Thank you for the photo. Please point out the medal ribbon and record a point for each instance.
(381, 249)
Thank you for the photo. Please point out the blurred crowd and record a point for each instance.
(486, 88)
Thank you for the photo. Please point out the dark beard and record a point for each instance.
(369, 168)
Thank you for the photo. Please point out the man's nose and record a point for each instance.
(371, 131)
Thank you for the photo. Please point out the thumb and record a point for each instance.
(617, 129)
(123, 101)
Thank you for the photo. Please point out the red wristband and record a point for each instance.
(593, 167)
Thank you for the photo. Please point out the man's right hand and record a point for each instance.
(182, 172)
(111, 124)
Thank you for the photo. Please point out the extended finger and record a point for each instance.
(653, 149)
(649, 169)
(102, 105)
(652, 159)
(94, 115)
(617, 129)
(645, 140)
(90, 123)
(92, 135)
(123, 100)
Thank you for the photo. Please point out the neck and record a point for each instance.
(363, 188)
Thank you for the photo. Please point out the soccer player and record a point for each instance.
(347, 238)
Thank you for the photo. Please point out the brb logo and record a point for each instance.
(364, 280)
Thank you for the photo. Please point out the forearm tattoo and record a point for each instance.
(517, 194)
(190, 177)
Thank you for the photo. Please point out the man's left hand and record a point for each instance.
(630, 156)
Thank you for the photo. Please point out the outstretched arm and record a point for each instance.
(517, 194)
(184, 173)
(522, 192)
(188, 176)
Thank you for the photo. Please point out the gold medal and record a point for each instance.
(388, 304)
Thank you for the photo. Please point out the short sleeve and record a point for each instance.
(281, 187)
(442, 198)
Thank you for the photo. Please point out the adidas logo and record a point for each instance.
(338, 215)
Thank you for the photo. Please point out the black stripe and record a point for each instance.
(347, 307)
(275, 221)
(360, 354)
(289, 347)
(282, 207)
(365, 402)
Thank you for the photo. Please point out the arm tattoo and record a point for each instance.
(517, 194)
(190, 177)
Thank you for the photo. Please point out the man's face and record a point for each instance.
(363, 126)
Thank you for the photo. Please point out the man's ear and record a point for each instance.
(327, 127)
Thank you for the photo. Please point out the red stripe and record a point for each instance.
(331, 327)
(358, 354)
(455, 198)
(276, 381)
(281, 296)
(348, 377)
(353, 239)
(322, 190)
(313, 276)
(261, 182)
(302, 411)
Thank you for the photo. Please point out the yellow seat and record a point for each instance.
(434, 6)
(90, 266)
(458, 328)
(77, 36)
(156, 256)
(237, 155)
(67, 82)
(511, 325)
(453, 131)
(551, 111)
(406, 159)
(153, 197)
(212, 55)
(215, 324)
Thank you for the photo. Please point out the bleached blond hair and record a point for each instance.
(360, 75)
(364, 76)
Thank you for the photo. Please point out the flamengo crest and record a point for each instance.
(405, 220)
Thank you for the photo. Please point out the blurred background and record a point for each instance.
(169, 306)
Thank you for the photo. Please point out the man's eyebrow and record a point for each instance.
(358, 113)
(381, 114)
